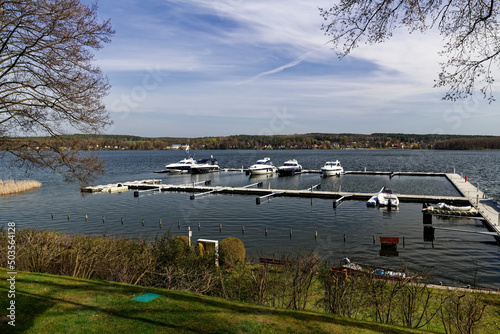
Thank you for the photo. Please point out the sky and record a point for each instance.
(197, 68)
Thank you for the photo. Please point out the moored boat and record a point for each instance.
(332, 168)
(349, 268)
(289, 167)
(206, 165)
(387, 199)
(443, 208)
(183, 166)
(262, 167)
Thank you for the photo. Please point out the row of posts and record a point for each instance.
(220, 227)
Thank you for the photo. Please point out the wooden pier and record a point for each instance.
(489, 209)
(470, 194)
(306, 193)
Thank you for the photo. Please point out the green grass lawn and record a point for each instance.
(57, 304)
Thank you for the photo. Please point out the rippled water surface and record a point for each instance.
(454, 256)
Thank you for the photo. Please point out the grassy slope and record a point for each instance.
(57, 304)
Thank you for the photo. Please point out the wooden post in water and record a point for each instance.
(344, 237)
(374, 239)
(179, 224)
(199, 226)
(315, 235)
(220, 227)
(52, 215)
(243, 229)
(403, 242)
(103, 219)
(68, 216)
(290, 233)
(122, 220)
(86, 218)
(160, 223)
(142, 221)
(266, 231)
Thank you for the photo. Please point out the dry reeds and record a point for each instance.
(9, 187)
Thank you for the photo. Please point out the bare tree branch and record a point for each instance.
(48, 82)
(470, 29)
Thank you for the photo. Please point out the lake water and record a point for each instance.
(454, 257)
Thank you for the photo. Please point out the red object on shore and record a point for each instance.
(465, 178)
(389, 240)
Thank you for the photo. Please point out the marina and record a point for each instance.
(299, 214)
(488, 209)
(311, 192)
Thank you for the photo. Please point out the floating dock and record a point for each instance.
(487, 208)
(470, 194)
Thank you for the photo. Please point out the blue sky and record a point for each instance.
(196, 68)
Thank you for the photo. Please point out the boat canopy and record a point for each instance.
(207, 161)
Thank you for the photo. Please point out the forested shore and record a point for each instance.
(295, 141)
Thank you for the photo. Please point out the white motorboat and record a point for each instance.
(206, 165)
(387, 198)
(290, 167)
(263, 166)
(183, 166)
(332, 168)
(373, 201)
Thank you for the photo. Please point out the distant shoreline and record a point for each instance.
(9, 187)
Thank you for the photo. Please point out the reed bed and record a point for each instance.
(8, 187)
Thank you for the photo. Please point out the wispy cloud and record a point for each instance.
(225, 61)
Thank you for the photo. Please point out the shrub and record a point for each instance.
(231, 252)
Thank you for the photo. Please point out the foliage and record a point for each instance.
(469, 28)
(298, 141)
(49, 84)
(298, 282)
(231, 252)
(57, 304)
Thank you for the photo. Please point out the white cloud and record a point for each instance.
(234, 60)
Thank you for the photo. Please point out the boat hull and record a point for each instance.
(262, 171)
(204, 170)
(288, 171)
(330, 172)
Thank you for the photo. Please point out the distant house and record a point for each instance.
(175, 147)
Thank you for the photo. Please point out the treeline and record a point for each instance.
(481, 143)
(298, 282)
(256, 142)
(296, 141)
